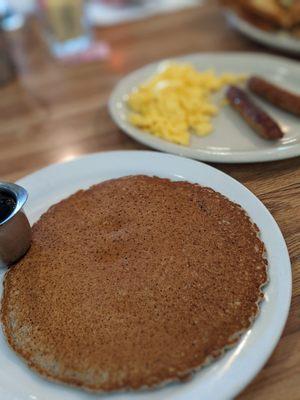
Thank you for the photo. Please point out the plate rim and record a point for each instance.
(235, 389)
(153, 142)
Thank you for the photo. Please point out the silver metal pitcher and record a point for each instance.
(15, 230)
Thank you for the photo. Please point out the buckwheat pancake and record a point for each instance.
(133, 283)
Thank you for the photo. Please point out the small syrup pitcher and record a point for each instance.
(15, 230)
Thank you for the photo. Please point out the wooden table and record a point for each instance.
(55, 112)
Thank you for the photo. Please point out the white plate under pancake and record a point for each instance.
(227, 376)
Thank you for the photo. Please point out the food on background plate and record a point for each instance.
(269, 15)
(157, 281)
(257, 118)
(276, 95)
(177, 102)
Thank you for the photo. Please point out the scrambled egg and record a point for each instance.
(177, 102)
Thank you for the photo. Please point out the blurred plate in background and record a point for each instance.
(278, 40)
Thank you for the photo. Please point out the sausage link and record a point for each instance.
(276, 95)
(258, 119)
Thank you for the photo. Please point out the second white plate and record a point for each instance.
(232, 141)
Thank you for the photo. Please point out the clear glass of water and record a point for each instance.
(65, 24)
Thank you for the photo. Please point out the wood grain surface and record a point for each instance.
(55, 112)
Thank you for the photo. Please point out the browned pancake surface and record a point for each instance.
(132, 283)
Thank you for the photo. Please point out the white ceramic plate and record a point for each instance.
(278, 40)
(227, 376)
(232, 140)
